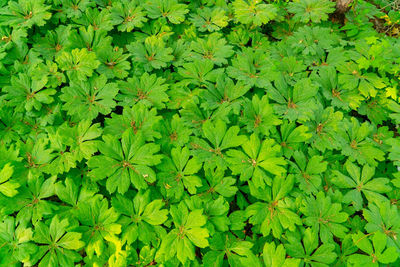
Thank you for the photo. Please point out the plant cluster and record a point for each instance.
(199, 133)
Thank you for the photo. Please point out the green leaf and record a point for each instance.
(148, 89)
(29, 94)
(140, 216)
(152, 54)
(257, 161)
(274, 256)
(17, 242)
(188, 232)
(311, 10)
(125, 162)
(170, 9)
(79, 64)
(210, 19)
(258, 116)
(251, 66)
(324, 217)
(179, 172)
(25, 13)
(86, 100)
(60, 244)
(214, 48)
(312, 253)
(8, 186)
(128, 15)
(219, 139)
(98, 224)
(361, 183)
(254, 12)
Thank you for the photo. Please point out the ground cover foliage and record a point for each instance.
(199, 133)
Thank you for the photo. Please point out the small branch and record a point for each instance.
(343, 5)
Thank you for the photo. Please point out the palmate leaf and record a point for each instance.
(258, 115)
(139, 217)
(32, 203)
(147, 89)
(8, 186)
(128, 15)
(179, 173)
(324, 217)
(98, 224)
(309, 251)
(218, 138)
(254, 12)
(72, 8)
(59, 245)
(253, 67)
(361, 184)
(199, 72)
(214, 48)
(50, 72)
(89, 38)
(61, 162)
(74, 194)
(15, 38)
(291, 69)
(139, 118)
(187, 233)
(351, 77)
(193, 115)
(170, 9)
(308, 171)
(323, 125)
(290, 136)
(114, 62)
(26, 93)
(376, 252)
(86, 99)
(100, 19)
(146, 256)
(125, 162)
(209, 19)
(257, 161)
(25, 13)
(53, 42)
(216, 211)
(152, 54)
(16, 240)
(294, 103)
(356, 143)
(375, 109)
(237, 252)
(277, 214)
(176, 134)
(181, 51)
(36, 155)
(72, 144)
(384, 217)
(274, 256)
(341, 97)
(224, 94)
(10, 125)
(218, 184)
(79, 64)
(312, 42)
(80, 138)
(311, 10)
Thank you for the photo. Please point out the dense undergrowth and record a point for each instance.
(199, 133)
